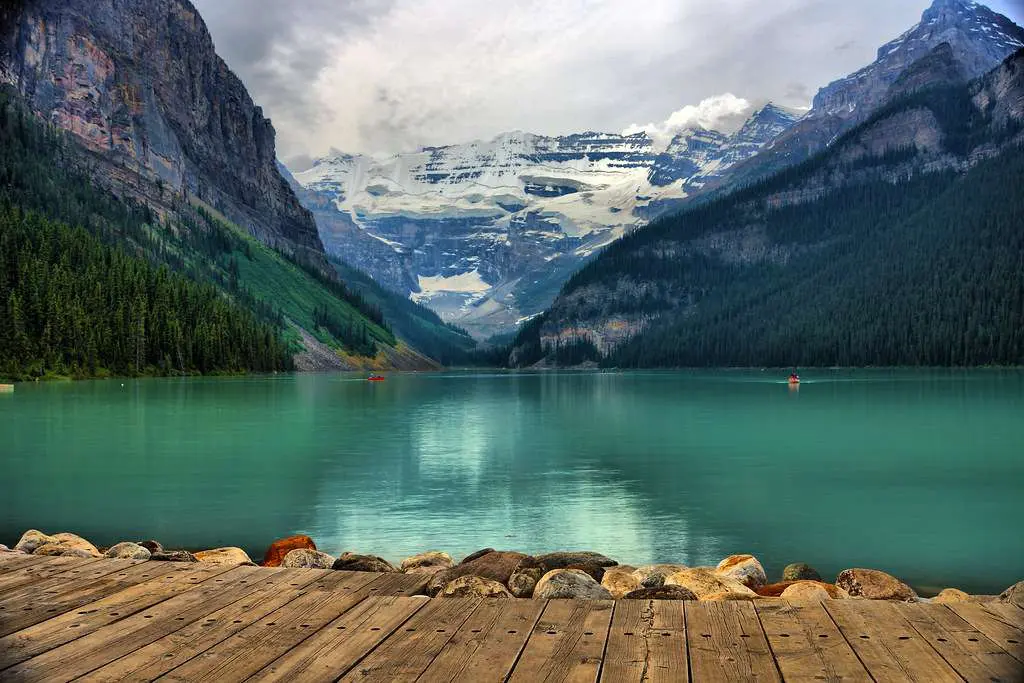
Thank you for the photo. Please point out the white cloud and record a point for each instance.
(390, 75)
(724, 113)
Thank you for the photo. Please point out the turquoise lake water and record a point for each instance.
(918, 473)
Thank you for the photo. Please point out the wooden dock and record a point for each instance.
(104, 620)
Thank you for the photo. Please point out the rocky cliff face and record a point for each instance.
(140, 84)
(485, 233)
(976, 40)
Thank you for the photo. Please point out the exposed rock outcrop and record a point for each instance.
(140, 84)
(569, 583)
(874, 585)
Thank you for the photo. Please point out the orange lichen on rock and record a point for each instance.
(281, 547)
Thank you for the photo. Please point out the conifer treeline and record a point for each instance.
(74, 306)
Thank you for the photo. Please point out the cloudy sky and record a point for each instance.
(393, 75)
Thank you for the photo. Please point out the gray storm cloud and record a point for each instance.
(391, 75)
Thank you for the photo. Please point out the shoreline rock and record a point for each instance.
(582, 574)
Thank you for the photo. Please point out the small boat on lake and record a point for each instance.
(794, 379)
(375, 378)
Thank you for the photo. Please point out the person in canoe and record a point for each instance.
(794, 378)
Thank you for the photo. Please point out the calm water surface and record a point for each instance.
(918, 473)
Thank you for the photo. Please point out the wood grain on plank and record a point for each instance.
(45, 567)
(970, 652)
(411, 649)
(35, 640)
(647, 642)
(129, 633)
(806, 644)
(273, 591)
(889, 647)
(36, 603)
(487, 645)
(1000, 625)
(11, 561)
(260, 643)
(337, 647)
(726, 642)
(567, 644)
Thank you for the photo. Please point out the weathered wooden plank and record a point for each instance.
(970, 652)
(567, 643)
(886, 643)
(275, 589)
(128, 633)
(44, 568)
(411, 649)
(15, 560)
(1001, 627)
(487, 645)
(36, 603)
(806, 644)
(335, 649)
(35, 640)
(647, 642)
(726, 642)
(259, 644)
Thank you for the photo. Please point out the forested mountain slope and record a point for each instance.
(45, 172)
(902, 244)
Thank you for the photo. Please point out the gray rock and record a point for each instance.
(800, 572)
(350, 562)
(661, 593)
(152, 546)
(307, 558)
(474, 587)
(496, 565)
(173, 556)
(522, 583)
(569, 583)
(563, 560)
(128, 551)
(874, 585)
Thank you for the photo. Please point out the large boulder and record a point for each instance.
(620, 580)
(351, 562)
(775, 590)
(478, 553)
(307, 558)
(654, 575)
(429, 562)
(61, 543)
(227, 555)
(474, 587)
(1014, 594)
(522, 583)
(128, 551)
(32, 539)
(743, 568)
(950, 595)
(705, 582)
(152, 546)
(661, 593)
(173, 556)
(874, 585)
(280, 548)
(581, 558)
(496, 565)
(569, 583)
(799, 571)
(806, 591)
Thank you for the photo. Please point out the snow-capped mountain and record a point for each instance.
(969, 36)
(486, 232)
